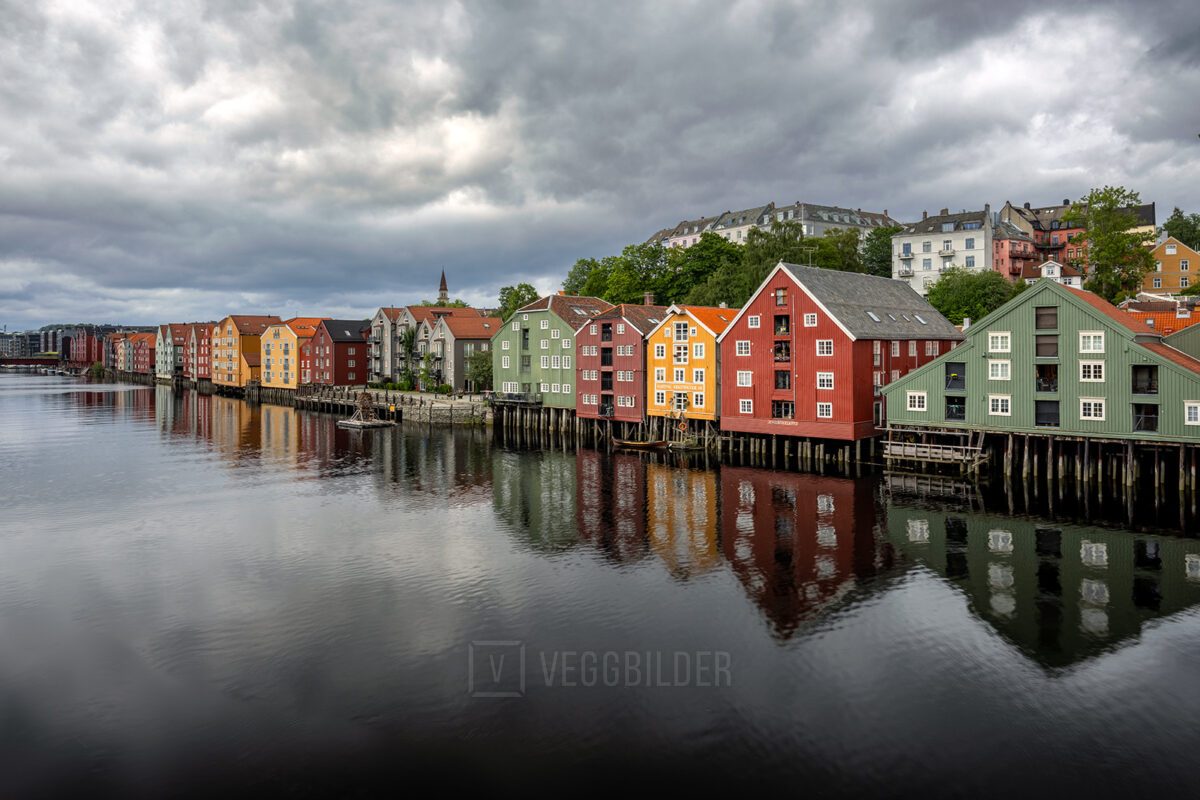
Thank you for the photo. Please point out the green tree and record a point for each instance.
(456, 303)
(1118, 256)
(877, 250)
(734, 283)
(639, 268)
(407, 343)
(587, 272)
(962, 293)
(1184, 227)
(479, 370)
(688, 267)
(839, 249)
(514, 297)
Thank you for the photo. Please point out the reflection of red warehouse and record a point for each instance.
(610, 509)
(806, 354)
(797, 542)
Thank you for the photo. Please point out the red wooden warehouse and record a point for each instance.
(339, 352)
(610, 363)
(805, 355)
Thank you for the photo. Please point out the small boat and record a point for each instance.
(636, 445)
(364, 424)
(686, 444)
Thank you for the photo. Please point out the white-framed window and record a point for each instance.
(895, 349)
(1091, 408)
(566, 388)
(660, 374)
(545, 344)
(555, 362)
(824, 410)
(754, 321)
(1000, 405)
(660, 351)
(679, 374)
(504, 362)
(931, 348)
(1000, 370)
(742, 347)
(545, 362)
(1091, 341)
(747, 407)
(912, 348)
(544, 388)
(544, 324)
(1183, 282)
(810, 320)
(697, 376)
(681, 354)
(1171, 250)
(566, 344)
(681, 331)
(917, 401)
(824, 380)
(566, 362)
(620, 330)
(697, 399)
(505, 345)
(660, 398)
(516, 326)
(745, 377)
(698, 350)
(593, 329)
(1183, 265)
(999, 342)
(556, 334)
(1091, 371)
(1191, 412)
(824, 347)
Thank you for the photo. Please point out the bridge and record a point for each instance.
(29, 361)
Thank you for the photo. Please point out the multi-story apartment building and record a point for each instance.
(236, 349)
(1014, 253)
(1173, 262)
(1057, 360)
(808, 353)
(926, 250)
(683, 363)
(1059, 239)
(533, 353)
(736, 225)
(196, 360)
(281, 352)
(817, 220)
(610, 373)
(687, 232)
(339, 352)
(169, 345)
(454, 339)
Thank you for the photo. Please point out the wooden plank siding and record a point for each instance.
(1124, 350)
(699, 350)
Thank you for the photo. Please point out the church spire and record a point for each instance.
(443, 294)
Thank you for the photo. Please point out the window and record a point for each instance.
(824, 380)
(1046, 346)
(912, 347)
(824, 410)
(545, 362)
(660, 351)
(544, 324)
(1158, 283)
(926, 247)
(745, 378)
(555, 362)
(660, 398)
(1091, 341)
(783, 379)
(698, 350)
(1091, 408)
(824, 347)
(917, 401)
(1091, 371)
(810, 320)
(999, 342)
(970, 262)
(681, 354)
(504, 362)
(698, 399)
(1000, 370)
(566, 362)
(679, 401)
(593, 329)
(556, 334)
(742, 347)
(516, 326)
(747, 407)
(781, 297)
(753, 321)
(545, 344)
(1191, 412)
(927, 264)
(681, 331)
(555, 388)
(660, 374)
(1046, 318)
(931, 348)
(679, 375)
(1000, 405)
(566, 388)
(1183, 281)
(697, 376)
(1170, 249)
(621, 328)
(566, 344)
(970, 244)
(895, 349)
(1183, 265)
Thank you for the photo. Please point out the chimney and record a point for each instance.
(924, 215)
(945, 211)
(648, 299)
(1066, 202)
(722, 304)
(1027, 205)
(966, 323)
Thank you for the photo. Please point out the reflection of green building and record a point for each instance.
(535, 494)
(1061, 593)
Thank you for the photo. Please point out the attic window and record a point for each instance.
(874, 316)
(920, 319)
(892, 317)
(907, 318)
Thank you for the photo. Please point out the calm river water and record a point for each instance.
(198, 596)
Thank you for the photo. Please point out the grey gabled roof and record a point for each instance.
(870, 307)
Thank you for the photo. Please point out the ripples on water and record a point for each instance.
(197, 594)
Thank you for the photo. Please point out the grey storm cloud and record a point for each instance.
(185, 160)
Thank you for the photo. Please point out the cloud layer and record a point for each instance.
(181, 161)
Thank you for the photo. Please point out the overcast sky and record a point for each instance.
(179, 161)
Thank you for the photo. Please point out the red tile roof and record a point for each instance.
(253, 325)
(1164, 322)
(304, 327)
(1107, 309)
(572, 309)
(473, 327)
(1173, 355)
(422, 313)
(715, 319)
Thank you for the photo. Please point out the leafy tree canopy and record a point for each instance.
(877, 250)
(514, 297)
(962, 293)
(1118, 256)
(1184, 227)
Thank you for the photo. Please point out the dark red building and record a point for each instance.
(196, 359)
(610, 363)
(805, 355)
(143, 353)
(339, 353)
